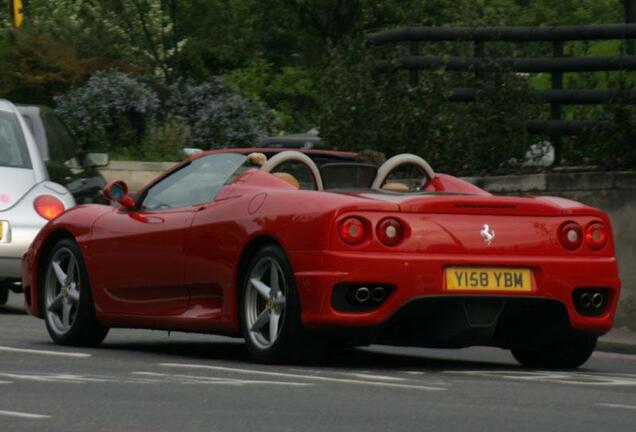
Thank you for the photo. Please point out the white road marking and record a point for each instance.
(23, 415)
(371, 376)
(194, 379)
(359, 374)
(609, 405)
(74, 379)
(44, 352)
(573, 378)
(65, 378)
(6, 382)
(297, 376)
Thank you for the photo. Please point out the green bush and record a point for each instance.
(165, 142)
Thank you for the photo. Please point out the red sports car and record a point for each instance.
(311, 246)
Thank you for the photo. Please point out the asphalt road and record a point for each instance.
(151, 381)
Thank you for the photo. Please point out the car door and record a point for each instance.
(138, 256)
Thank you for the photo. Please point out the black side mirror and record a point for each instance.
(96, 160)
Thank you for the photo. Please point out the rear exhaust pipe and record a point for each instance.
(378, 294)
(597, 300)
(362, 294)
(586, 300)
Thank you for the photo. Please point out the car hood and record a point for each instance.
(14, 184)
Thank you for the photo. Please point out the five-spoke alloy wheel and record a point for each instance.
(270, 313)
(265, 302)
(68, 304)
(62, 290)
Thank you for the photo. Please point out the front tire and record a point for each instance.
(568, 354)
(68, 306)
(269, 308)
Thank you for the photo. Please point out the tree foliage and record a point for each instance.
(364, 109)
(277, 60)
(142, 32)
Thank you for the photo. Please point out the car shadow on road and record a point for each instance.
(350, 359)
(10, 310)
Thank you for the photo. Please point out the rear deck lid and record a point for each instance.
(484, 205)
(450, 203)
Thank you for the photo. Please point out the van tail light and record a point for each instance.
(48, 206)
(571, 235)
(352, 230)
(390, 231)
(596, 236)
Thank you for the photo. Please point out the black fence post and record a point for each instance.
(630, 17)
(555, 108)
(478, 52)
(414, 73)
(556, 65)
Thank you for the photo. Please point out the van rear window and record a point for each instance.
(13, 150)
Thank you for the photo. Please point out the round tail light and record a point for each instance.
(596, 236)
(390, 231)
(48, 206)
(571, 236)
(352, 230)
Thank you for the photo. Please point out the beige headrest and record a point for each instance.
(288, 178)
(395, 187)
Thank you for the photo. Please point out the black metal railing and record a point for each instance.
(558, 64)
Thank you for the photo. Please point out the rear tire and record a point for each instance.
(269, 310)
(67, 300)
(4, 295)
(568, 354)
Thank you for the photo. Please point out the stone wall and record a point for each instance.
(612, 192)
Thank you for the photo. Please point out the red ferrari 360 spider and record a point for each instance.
(315, 245)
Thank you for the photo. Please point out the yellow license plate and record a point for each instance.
(488, 279)
(1, 230)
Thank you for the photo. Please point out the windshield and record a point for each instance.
(195, 183)
(13, 150)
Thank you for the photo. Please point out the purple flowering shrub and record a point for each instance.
(126, 115)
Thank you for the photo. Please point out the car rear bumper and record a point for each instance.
(416, 277)
(9, 268)
(14, 244)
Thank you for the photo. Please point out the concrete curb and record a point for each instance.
(616, 347)
(619, 340)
